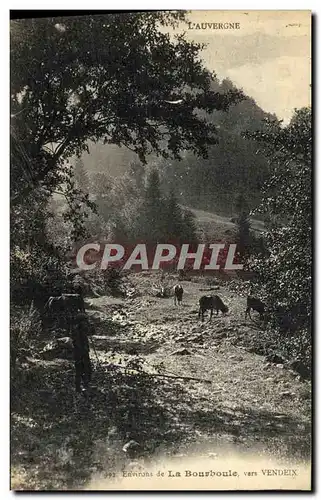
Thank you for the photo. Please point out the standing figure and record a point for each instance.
(81, 351)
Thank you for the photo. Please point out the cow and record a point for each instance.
(72, 302)
(178, 294)
(255, 304)
(211, 302)
(64, 307)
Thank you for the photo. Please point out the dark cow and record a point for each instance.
(211, 302)
(255, 304)
(66, 302)
(63, 308)
(178, 294)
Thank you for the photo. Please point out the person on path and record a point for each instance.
(81, 349)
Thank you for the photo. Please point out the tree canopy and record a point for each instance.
(287, 199)
(104, 77)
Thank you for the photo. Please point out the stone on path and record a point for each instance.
(181, 352)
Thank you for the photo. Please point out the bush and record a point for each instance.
(25, 329)
(100, 282)
(285, 274)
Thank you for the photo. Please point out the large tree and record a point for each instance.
(104, 77)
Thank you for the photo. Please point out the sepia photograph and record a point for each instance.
(161, 325)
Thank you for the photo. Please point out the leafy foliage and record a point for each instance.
(25, 329)
(102, 77)
(243, 235)
(286, 273)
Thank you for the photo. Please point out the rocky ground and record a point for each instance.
(162, 378)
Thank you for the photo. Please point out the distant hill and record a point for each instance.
(219, 227)
(234, 165)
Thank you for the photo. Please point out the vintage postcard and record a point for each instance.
(161, 258)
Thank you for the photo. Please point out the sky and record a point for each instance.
(269, 56)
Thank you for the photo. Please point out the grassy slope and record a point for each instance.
(219, 225)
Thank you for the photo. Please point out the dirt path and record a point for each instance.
(249, 404)
(249, 401)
